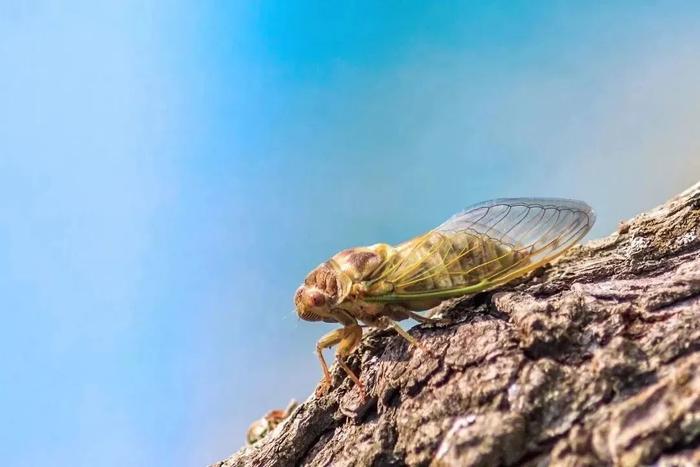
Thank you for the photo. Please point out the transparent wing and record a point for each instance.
(529, 231)
(543, 226)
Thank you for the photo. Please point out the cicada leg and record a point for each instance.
(403, 333)
(425, 319)
(347, 339)
(398, 312)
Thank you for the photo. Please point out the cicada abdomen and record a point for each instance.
(443, 261)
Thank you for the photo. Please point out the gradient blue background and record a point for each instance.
(170, 172)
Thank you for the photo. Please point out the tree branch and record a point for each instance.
(596, 360)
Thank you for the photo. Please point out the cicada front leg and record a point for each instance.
(347, 339)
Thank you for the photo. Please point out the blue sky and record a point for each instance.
(169, 173)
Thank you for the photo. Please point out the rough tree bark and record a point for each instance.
(593, 361)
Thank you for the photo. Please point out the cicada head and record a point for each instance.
(323, 289)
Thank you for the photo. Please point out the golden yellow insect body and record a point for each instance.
(485, 246)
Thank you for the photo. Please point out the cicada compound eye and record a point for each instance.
(315, 298)
(310, 303)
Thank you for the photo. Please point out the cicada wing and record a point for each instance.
(505, 239)
(539, 228)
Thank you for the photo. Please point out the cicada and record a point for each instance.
(262, 427)
(483, 247)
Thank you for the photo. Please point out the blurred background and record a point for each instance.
(170, 173)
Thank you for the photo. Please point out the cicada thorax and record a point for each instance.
(358, 266)
(360, 263)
